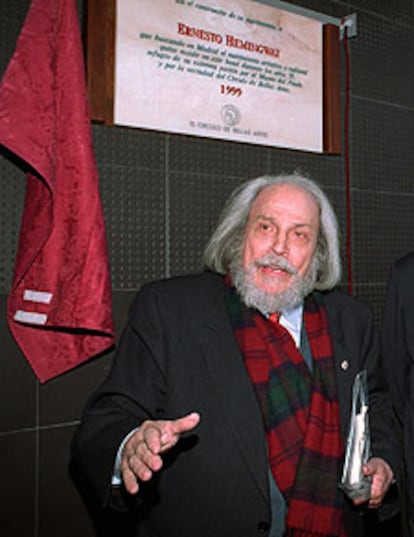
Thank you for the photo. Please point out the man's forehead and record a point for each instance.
(285, 198)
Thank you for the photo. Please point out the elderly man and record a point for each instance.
(228, 402)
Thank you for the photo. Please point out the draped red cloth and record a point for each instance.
(59, 307)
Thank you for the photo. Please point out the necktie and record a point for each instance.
(274, 317)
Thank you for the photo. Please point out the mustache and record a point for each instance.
(277, 262)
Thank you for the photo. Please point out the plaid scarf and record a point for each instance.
(300, 412)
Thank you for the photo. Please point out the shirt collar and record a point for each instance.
(291, 319)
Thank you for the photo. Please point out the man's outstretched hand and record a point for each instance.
(141, 456)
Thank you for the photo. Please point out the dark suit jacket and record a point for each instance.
(177, 355)
(397, 348)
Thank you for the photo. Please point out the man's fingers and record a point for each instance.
(173, 430)
(186, 423)
(142, 453)
(152, 437)
(130, 481)
(141, 465)
(382, 476)
(160, 436)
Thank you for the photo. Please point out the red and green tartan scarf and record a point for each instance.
(300, 412)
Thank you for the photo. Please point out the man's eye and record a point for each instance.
(265, 227)
(301, 234)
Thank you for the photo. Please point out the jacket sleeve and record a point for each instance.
(394, 349)
(356, 345)
(133, 392)
(385, 440)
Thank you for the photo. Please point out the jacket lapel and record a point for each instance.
(233, 386)
(346, 366)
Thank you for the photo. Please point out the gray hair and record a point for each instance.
(226, 240)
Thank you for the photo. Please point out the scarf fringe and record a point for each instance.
(297, 532)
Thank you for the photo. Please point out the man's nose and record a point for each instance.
(280, 243)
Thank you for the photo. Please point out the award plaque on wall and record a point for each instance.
(240, 70)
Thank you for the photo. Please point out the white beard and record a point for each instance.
(253, 296)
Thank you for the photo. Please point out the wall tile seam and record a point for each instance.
(39, 428)
(118, 166)
(381, 102)
(207, 175)
(395, 193)
(378, 284)
(131, 289)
